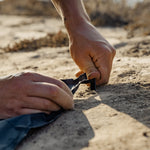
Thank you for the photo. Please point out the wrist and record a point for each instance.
(74, 23)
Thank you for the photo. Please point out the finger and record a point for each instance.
(104, 67)
(41, 78)
(88, 66)
(51, 92)
(79, 73)
(26, 111)
(105, 73)
(40, 104)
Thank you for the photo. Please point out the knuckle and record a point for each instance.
(110, 51)
(20, 82)
(61, 85)
(20, 86)
(26, 74)
(107, 48)
(46, 105)
(18, 111)
(54, 90)
(54, 107)
(113, 51)
(14, 109)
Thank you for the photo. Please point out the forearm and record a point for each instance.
(91, 52)
(73, 12)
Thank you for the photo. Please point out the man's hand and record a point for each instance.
(91, 52)
(28, 93)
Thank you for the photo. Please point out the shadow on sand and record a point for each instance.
(130, 98)
(72, 131)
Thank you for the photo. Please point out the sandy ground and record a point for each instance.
(115, 117)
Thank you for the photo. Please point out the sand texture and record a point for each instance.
(115, 117)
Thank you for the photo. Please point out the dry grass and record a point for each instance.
(107, 12)
(28, 8)
(50, 40)
(140, 24)
(102, 13)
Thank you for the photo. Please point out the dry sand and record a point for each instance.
(115, 117)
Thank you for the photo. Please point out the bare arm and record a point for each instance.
(71, 11)
(91, 52)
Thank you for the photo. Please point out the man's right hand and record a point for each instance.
(28, 93)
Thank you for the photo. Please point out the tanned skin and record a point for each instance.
(91, 52)
(27, 93)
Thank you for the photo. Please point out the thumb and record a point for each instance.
(89, 68)
(77, 74)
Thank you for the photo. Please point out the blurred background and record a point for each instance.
(33, 38)
(133, 15)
